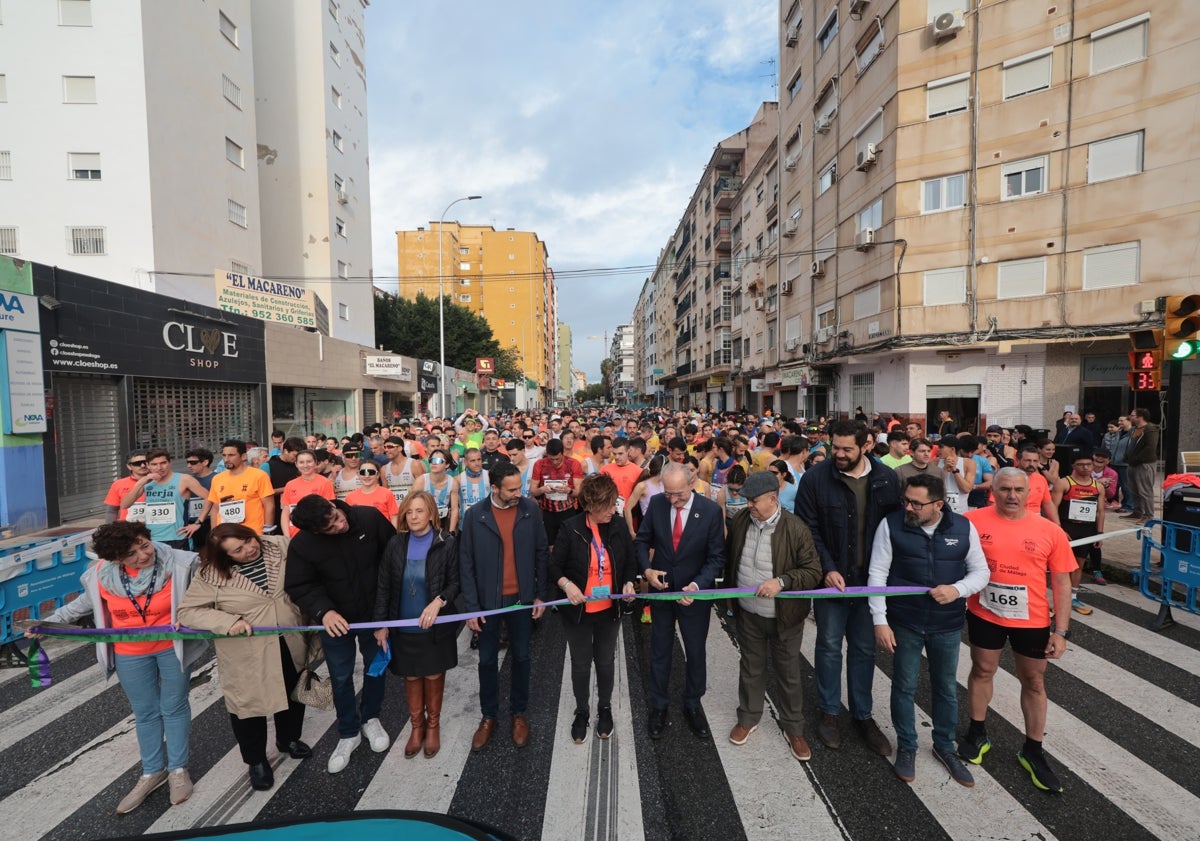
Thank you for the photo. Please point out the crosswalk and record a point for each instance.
(1123, 730)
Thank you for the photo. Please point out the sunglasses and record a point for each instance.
(437, 460)
(351, 455)
(527, 437)
(193, 461)
(368, 473)
(390, 446)
(141, 463)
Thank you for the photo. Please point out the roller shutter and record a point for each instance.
(178, 415)
(88, 446)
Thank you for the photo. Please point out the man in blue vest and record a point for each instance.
(925, 545)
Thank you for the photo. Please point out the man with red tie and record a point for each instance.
(680, 546)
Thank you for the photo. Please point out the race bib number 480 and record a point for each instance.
(1010, 601)
(233, 511)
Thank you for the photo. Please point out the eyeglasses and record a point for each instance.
(368, 473)
(527, 437)
(141, 463)
(390, 446)
(676, 494)
(193, 461)
(351, 455)
(912, 503)
(437, 460)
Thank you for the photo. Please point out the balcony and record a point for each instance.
(683, 338)
(722, 234)
(722, 270)
(722, 357)
(722, 315)
(683, 306)
(684, 369)
(725, 191)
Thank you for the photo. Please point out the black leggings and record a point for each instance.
(593, 639)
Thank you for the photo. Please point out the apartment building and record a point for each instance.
(140, 142)
(622, 380)
(503, 276)
(563, 381)
(986, 197)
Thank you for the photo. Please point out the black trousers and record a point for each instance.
(251, 733)
(593, 639)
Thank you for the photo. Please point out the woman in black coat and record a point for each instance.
(418, 578)
(593, 555)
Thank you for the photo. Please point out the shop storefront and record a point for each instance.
(129, 369)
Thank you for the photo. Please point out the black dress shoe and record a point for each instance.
(697, 721)
(296, 749)
(261, 776)
(660, 720)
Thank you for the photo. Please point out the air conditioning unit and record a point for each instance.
(758, 302)
(817, 269)
(789, 163)
(791, 344)
(785, 287)
(864, 239)
(824, 123)
(823, 335)
(342, 197)
(790, 226)
(793, 33)
(857, 6)
(947, 25)
(866, 158)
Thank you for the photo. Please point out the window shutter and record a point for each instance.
(1021, 278)
(946, 286)
(1115, 157)
(1028, 76)
(1121, 47)
(1111, 266)
(946, 98)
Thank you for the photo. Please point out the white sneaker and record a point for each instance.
(341, 754)
(376, 735)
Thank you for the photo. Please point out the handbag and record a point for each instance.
(311, 689)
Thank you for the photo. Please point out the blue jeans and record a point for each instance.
(157, 689)
(848, 619)
(1125, 491)
(339, 656)
(520, 629)
(942, 651)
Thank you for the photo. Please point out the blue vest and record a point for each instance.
(919, 560)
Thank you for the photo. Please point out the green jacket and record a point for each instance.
(793, 557)
(1144, 448)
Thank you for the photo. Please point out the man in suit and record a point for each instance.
(1074, 433)
(685, 532)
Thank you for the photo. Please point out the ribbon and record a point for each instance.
(38, 664)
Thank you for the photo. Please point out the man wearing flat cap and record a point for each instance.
(771, 550)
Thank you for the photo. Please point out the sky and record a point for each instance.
(587, 123)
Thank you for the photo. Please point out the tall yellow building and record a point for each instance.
(500, 275)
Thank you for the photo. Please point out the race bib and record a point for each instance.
(233, 511)
(1082, 510)
(1010, 601)
(160, 514)
(956, 502)
(194, 507)
(557, 491)
(620, 506)
(400, 494)
(136, 513)
(443, 511)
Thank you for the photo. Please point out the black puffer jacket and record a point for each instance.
(339, 571)
(441, 579)
(573, 555)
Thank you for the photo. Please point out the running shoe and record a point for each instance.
(1080, 608)
(1099, 578)
(1039, 772)
(972, 749)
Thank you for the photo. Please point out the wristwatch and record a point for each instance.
(1064, 633)
(782, 582)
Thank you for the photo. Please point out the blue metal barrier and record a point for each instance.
(1178, 580)
(35, 580)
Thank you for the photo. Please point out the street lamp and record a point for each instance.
(441, 308)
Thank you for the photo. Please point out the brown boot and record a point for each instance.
(433, 713)
(414, 691)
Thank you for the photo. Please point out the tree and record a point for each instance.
(606, 370)
(410, 328)
(594, 391)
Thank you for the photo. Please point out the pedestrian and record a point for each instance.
(308, 482)
(418, 579)
(680, 547)
(1142, 458)
(1021, 548)
(593, 557)
(770, 549)
(1081, 512)
(503, 557)
(332, 573)
(240, 587)
(843, 500)
(555, 484)
(925, 545)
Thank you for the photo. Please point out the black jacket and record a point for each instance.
(339, 571)
(573, 555)
(827, 507)
(481, 555)
(441, 579)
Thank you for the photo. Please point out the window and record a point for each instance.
(74, 13)
(871, 216)
(827, 104)
(947, 96)
(825, 315)
(827, 177)
(869, 46)
(5, 166)
(85, 241)
(827, 33)
(336, 97)
(758, 342)
(791, 329)
(344, 312)
(1028, 74)
(234, 154)
(1024, 178)
(1115, 157)
(228, 28)
(8, 240)
(79, 90)
(466, 299)
(337, 141)
(83, 166)
(1021, 278)
(1120, 44)
(946, 286)
(1111, 265)
(464, 267)
(335, 54)
(237, 214)
(866, 301)
(795, 85)
(826, 246)
(239, 267)
(871, 133)
(945, 193)
(339, 227)
(862, 390)
(231, 91)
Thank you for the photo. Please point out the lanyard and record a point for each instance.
(598, 548)
(142, 611)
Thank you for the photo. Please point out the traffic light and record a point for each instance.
(1181, 334)
(1145, 361)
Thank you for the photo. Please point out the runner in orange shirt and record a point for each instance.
(308, 482)
(1020, 548)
